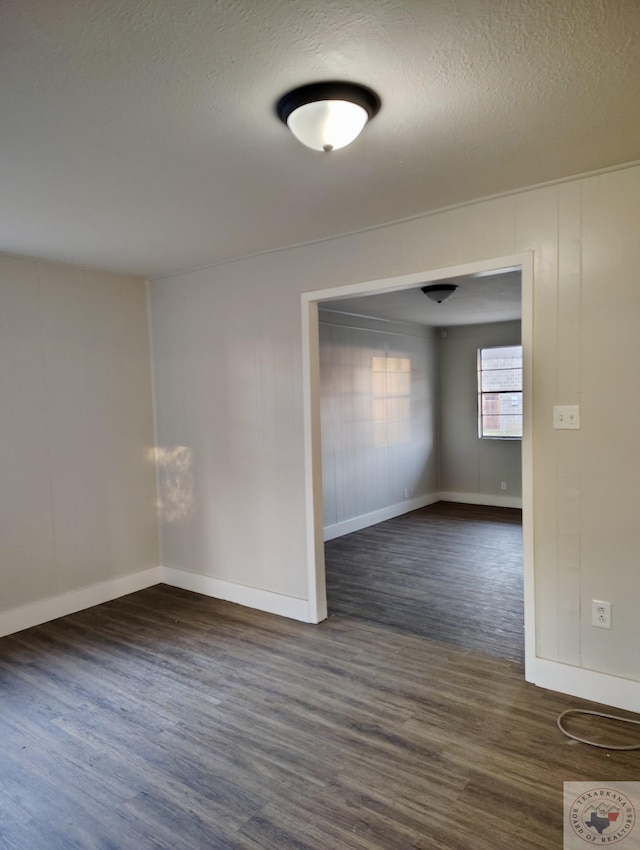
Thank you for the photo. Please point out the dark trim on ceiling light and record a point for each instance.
(331, 90)
(439, 291)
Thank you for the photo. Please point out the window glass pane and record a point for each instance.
(490, 403)
(502, 425)
(498, 358)
(500, 392)
(502, 379)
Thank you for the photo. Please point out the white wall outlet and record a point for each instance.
(566, 417)
(406, 493)
(503, 485)
(600, 614)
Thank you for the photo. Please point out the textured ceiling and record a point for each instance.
(477, 300)
(140, 136)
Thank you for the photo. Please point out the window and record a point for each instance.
(500, 392)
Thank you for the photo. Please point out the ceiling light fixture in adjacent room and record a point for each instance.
(439, 291)
(327, 116)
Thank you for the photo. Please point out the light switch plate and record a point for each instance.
(566, 417)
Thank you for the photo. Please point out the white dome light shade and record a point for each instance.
(327, 125)
(327, 116)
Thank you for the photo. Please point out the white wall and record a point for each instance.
(77, 490)
(229, 387)
(472, 469)
(378, 455)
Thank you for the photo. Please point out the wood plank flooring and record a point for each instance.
(448, 572)
(169, 720)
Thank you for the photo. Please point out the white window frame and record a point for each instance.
(515, 391)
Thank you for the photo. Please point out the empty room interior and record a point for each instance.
(295, 554)
(403, 437)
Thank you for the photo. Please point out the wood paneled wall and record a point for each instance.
(467, 464)
(228, 347)
(378, 427)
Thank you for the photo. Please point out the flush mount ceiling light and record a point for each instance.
(439, 291)
(327, 116)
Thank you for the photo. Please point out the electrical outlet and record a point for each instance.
(600, 614)
(503, 485)
(406, 494)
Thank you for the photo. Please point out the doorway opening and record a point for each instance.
(450, 572)
(393, 377)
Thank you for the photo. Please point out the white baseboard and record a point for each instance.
(17, 619)
(45, 610)
(482, 499)
(252, 597)
(565, 679)
(587, 684)
(373, 518)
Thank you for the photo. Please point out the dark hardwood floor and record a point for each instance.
(447, 572)
(170, 720)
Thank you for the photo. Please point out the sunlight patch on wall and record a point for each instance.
(391, 399)
(175, 481)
